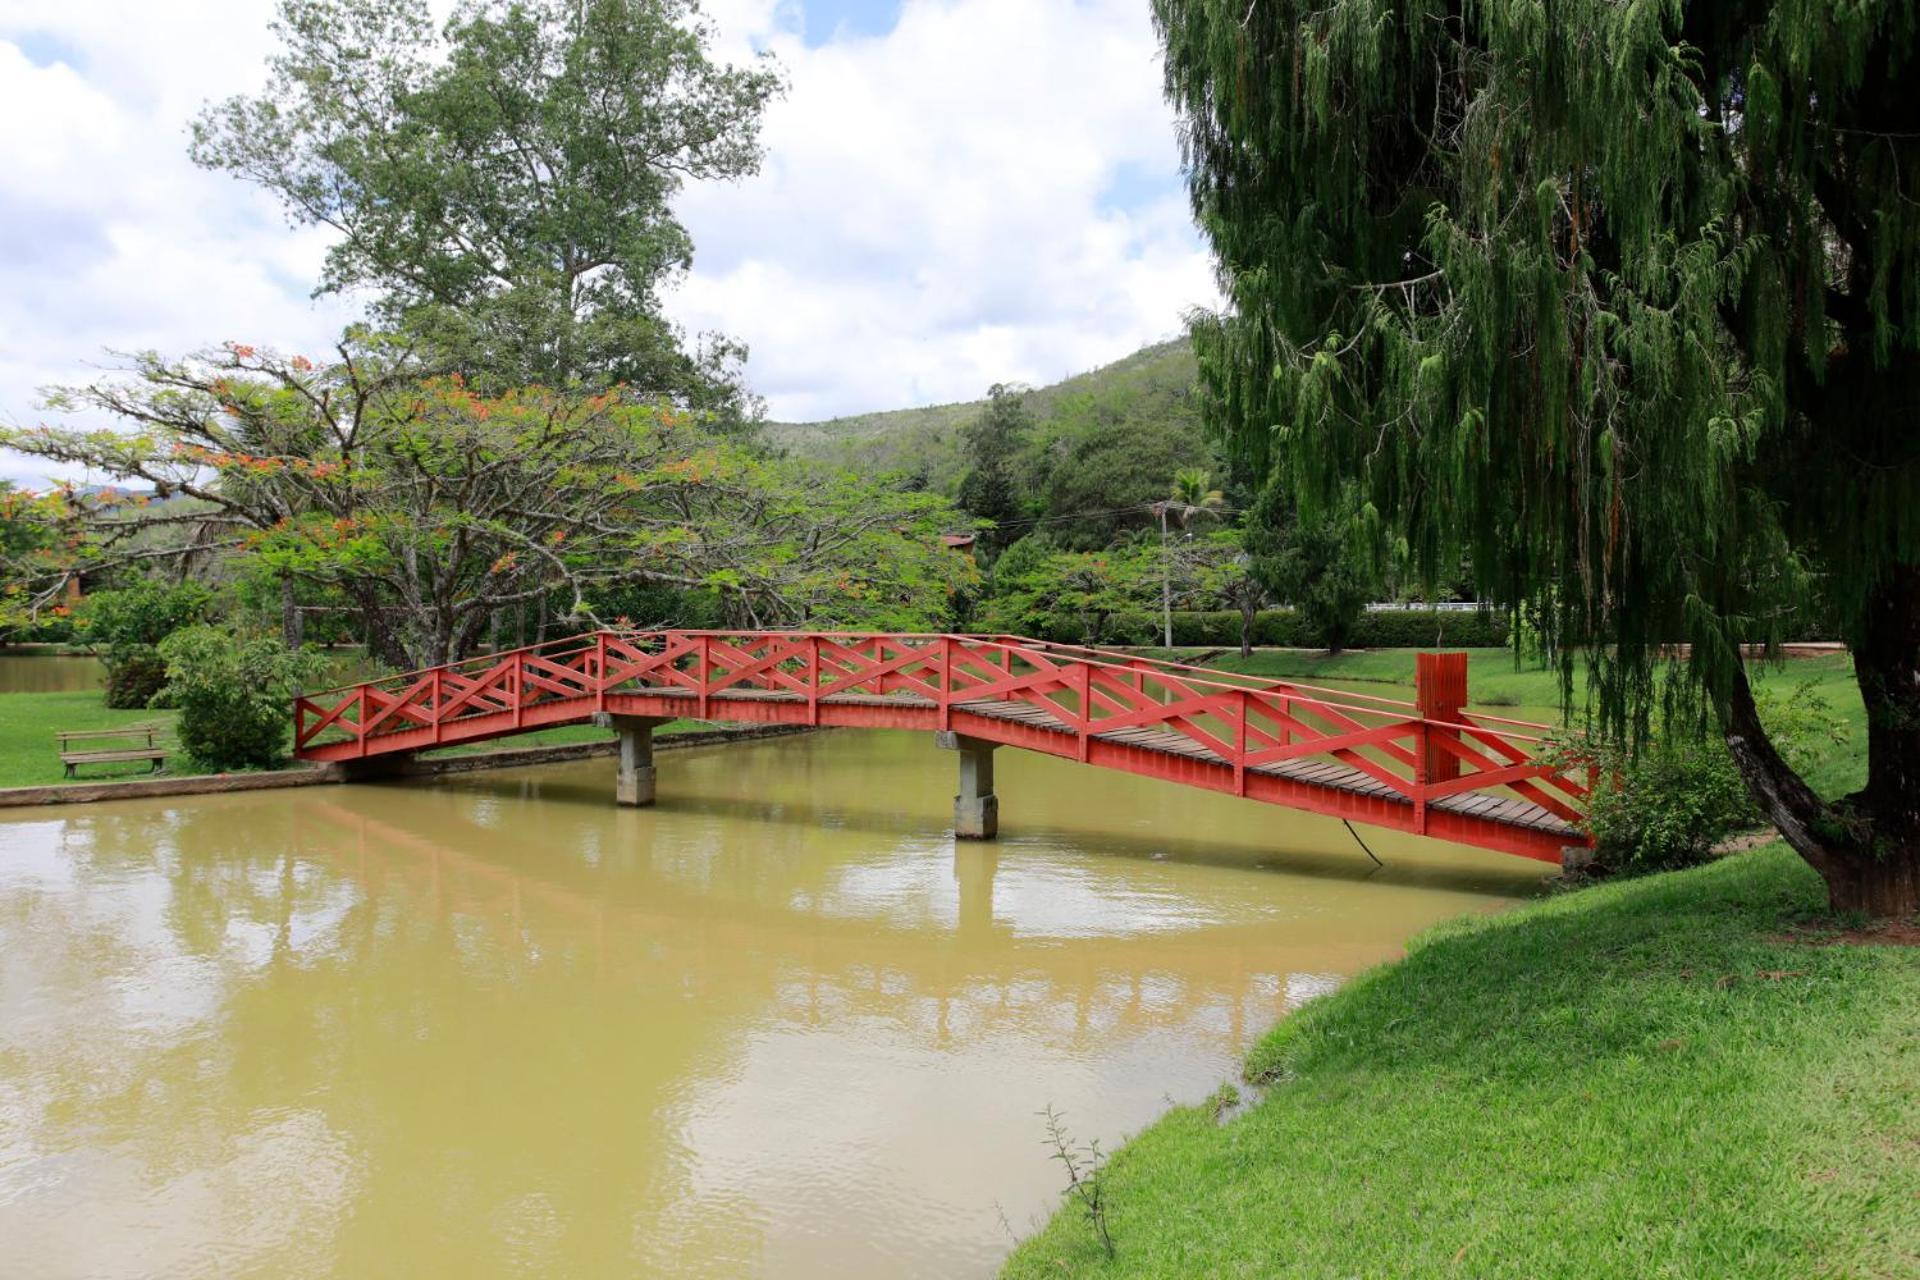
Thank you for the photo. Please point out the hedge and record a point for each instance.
(1282, 628)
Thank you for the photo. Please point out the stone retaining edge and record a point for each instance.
(334, 774)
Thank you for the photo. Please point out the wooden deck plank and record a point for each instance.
(1503, 811)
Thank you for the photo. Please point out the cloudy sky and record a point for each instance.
(956, 192)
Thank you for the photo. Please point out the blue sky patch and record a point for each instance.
(43, 50)
(1135, 185)
(828, 20)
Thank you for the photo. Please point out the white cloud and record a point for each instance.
(987, 192)
(937, 211)
(109, 237)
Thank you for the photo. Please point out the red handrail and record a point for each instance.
(1245, 722)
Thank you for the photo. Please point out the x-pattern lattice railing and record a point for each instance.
(1244, 723)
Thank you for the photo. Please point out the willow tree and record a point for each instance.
(1622, 299)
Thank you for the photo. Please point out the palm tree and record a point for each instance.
(1189, 499)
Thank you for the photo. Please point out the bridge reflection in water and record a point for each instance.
(781, 1023)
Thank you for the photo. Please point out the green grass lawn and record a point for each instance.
(1648, 1078)
(29, 755)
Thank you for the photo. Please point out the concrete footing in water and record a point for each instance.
(976, 809)
(634, 784)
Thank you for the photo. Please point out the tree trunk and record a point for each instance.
(1247, 618)
(1866, 847)
(1886, 812)
(292, 622)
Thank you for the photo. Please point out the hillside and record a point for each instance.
(1144, 401)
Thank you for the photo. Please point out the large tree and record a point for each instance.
(1622, 299)
(433, 507)
(504, 182)
(991, 441)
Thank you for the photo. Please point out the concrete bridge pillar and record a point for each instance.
(634, 785)
(976, 810)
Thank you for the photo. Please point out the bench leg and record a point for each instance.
(70, 772)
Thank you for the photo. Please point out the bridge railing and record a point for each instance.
(1424, 752)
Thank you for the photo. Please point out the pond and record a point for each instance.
(49, 673)
(781, 1024)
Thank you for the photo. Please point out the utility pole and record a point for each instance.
(1166, 577)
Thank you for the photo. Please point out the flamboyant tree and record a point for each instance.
(1622, 300)
(504, 181)
(433, 507)
(29, 555)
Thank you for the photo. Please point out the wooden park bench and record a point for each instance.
(110, 755)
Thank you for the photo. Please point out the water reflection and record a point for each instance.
(49, 673)
(781, 1025)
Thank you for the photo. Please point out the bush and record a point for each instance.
(127, 626)
(235, 697)
(1669, 806)
(1410, 629)
(1283, 628)
(134, 676)
(53, 628)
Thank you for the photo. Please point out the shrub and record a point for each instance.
(127, 626)
(134, 676)
(1666, 807)
(1283, 628)
(235, 697)
(1669, 806)
(1430, 629)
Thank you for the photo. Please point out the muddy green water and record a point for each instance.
(780, 1025)
(48, 673)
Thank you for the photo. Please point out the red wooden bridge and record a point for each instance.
(1427, 767)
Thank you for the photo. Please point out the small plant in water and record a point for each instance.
(1086, 1169)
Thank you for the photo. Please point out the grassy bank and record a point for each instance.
(1660, 1077)
(29, 757)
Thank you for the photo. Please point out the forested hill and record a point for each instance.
(1106, 438)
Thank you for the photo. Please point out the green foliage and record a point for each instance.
(1621, 304)
(1392, 629)
(647, 605)
(128, 625)
(433, 509)
(1309, 564)
(990, 443)
(1086, 597)
(133, 677)
(1096, 458)
(1666, 807)
(505, 182)
(28, 552)
(1226, 574)
(1102, 457)
(1527, 281)
(234, 696)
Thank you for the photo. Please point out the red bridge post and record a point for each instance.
(1441, 681)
